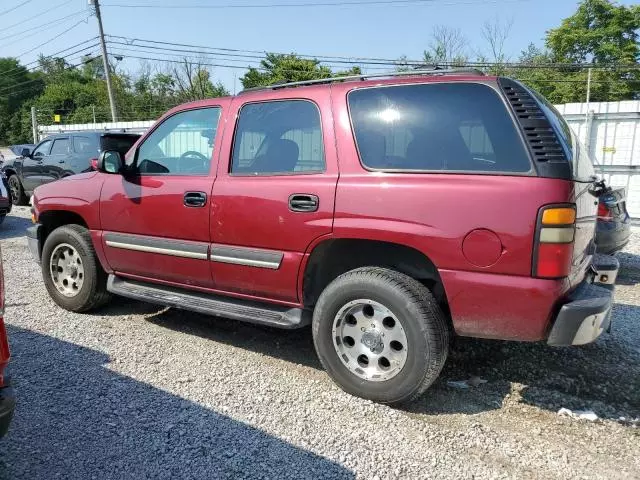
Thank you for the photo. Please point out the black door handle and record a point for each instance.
(195, 199)
(61, 161)
(303, 202)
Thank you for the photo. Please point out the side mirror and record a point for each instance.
(25, 152)
(110, 161)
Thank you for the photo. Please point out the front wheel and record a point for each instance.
(71, 271)
(380, 335)
(17, 191)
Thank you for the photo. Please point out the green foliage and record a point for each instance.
(18, 87)
(283, 69)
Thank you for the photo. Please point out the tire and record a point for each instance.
(92, 290)
(17, 191)
(2, 217)
(422, 325)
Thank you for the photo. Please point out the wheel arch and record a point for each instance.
(332, 257)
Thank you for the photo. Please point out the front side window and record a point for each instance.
(60, 146)
(436, 127)
(278, 138)
(182, 145)
(43, 149)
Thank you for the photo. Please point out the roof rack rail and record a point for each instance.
(320, 81)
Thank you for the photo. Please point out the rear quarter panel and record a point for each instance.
(434, 213)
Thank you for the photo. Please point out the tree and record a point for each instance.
(17, 86)
(279, 68)
(496, 33)
(448, 45)
(192, 81)
(601, 33)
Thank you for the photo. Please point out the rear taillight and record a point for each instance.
(553, 250)
(94, 163)
(604, 213)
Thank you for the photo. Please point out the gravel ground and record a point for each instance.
(134, 391)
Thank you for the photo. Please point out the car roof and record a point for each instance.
(350, 82)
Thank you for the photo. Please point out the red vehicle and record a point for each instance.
(390, 213)
(7, 397)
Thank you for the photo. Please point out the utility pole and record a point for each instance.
(105, 61)
(34, 125)
(588, 116)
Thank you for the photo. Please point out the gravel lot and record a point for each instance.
(134, 391)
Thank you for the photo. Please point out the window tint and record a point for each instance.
(181, 145)
(447, 126)
(43, 149)
(278, 137)
(85, 145)
(60, 147)
(119, 143)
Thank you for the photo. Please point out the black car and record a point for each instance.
(58, 156)
(613, 229)
(5, 198)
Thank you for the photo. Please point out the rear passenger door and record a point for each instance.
(54, 164)
(274, 194)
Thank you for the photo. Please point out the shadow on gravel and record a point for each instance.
(629, 273)
(604, 376)
(77, 419)
(14, 227)
(295, 346)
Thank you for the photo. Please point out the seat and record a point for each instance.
(373, 148)
(281, 156)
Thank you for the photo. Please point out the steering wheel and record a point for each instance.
(194, 166)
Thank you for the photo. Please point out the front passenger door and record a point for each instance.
(155, 217)
(32, 166)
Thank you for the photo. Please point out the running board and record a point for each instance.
(218, 305)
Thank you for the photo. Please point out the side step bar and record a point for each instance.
(218, 305)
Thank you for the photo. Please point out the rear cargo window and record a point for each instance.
(438, 127)
(120, 143)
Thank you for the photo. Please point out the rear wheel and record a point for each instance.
(380, 335)
(17, 192)
(71, 271)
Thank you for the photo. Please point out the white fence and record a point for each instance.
(610, 130)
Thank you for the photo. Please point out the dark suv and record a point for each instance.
(389, 213)
(59, 156)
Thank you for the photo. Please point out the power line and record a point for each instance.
(131, 41)
(54, 37)
(16, 7)
(32, 17)
(42, 27)
(202, 49)
(26, 65)
(313, 4)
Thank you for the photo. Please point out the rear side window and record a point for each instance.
(60, 146)
(278, 138)
(119, 143)
(436, 127)
(85, 145)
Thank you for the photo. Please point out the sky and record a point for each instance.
(382, 30)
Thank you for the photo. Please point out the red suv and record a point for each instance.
(390, 213)
(7, 397)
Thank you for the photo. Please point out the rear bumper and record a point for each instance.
(33, 240)
(611, 241)
(587, 312)
(7, 407)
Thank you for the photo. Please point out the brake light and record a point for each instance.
(555, 234)
(94, 163)
(604, 213)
